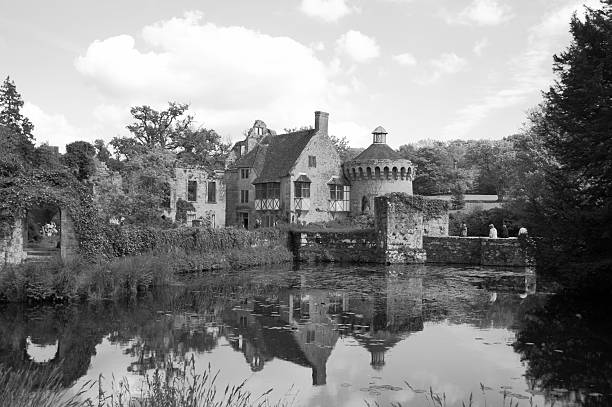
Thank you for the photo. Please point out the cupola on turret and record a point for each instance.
(378, 170)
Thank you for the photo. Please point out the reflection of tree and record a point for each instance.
(567, 344)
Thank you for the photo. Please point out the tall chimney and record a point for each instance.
(321, 119)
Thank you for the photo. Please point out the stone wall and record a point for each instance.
(358, 246)
(11, 245)
(401, 226)
(69, 244)
(510, 252)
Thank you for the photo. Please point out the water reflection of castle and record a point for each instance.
(302, 325)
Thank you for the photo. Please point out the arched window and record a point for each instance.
(409, 175)
(354, 174)
(394, 171)
(360, 173)
(377, 172)
(369, 172)
(365, 204)
(386, 170)
(403, 173)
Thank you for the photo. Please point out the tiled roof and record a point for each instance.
(282, 153)
(379, 152)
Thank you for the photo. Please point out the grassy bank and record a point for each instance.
(123, 277)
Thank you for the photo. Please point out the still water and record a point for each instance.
(338, 336)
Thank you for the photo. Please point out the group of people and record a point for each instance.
(493, 231)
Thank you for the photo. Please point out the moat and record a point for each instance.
(341, 336)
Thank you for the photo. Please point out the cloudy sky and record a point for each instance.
(423, 69)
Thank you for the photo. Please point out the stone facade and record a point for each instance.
(205, 190)
(359, 246)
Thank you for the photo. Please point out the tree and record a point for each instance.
(342, 147)
(154, 128)
(10, 113)
(578, 106)
(19, 127)
(495, 162)
(102, 152)
(79, 157)
(201, 147)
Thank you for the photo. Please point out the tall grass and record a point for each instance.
(27, 388)
(168, 388)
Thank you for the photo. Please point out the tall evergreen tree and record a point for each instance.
(10, 110)
(579, 105)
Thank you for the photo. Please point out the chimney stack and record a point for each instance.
(321, 119)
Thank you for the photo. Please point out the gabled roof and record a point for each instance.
(379, 152)
(282, 153)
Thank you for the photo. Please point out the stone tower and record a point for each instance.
(378, 170)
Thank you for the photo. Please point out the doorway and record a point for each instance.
(42, 234)
(243, 218)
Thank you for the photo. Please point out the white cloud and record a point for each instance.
(356, 134)
(480, 45)
(530, 72)
(405, 59)
(228, 74)
(326, 10)
(358, 46)
(483, 12)
(52, 128)
(445, 64)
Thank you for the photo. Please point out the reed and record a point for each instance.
(29, 388)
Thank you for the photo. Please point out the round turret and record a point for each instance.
(378, 170)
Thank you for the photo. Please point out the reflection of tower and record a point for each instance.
(378, 357)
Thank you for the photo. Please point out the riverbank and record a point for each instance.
(124, 277)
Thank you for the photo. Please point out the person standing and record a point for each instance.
(492, 232)
(505, 233)
(463, 232)
(522, 232)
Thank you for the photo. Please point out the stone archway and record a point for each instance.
(42, 233)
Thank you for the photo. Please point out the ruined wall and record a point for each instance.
(401, 222)
(69, 246)
(11, 245)
(204, 209)
(357, 246)
(510, 252)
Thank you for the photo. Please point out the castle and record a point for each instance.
(296, 177)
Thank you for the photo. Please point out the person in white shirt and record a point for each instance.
(522, 231)
(492, 232)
